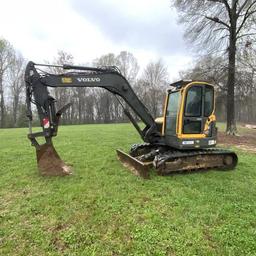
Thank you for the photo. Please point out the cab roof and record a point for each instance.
(182, 83)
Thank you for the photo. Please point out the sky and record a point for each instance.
(88, 29)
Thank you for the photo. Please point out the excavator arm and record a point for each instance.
(37, 83)
(108, 78)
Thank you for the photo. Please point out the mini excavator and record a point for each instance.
(184, 139)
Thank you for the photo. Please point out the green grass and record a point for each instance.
(104, 210)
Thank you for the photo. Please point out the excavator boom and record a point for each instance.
(109, 78)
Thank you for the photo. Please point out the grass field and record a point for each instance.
(104, 210)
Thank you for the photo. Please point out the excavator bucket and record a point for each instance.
(49, 163)
(137, 167)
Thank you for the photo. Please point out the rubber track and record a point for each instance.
(169, 154)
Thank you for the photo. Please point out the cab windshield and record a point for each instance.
(199, 106)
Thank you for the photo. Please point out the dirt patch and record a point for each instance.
(246, 141)
(58, 244)
(56, 240)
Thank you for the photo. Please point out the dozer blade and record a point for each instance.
(49, 163)
(134, 165)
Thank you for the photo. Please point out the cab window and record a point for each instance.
(208, 101)
(173, 104)
(194, 102)
(171, 113)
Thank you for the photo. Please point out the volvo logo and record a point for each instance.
(88, 79)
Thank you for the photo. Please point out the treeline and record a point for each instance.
(89, 105)
(94, 105)
(12, 99)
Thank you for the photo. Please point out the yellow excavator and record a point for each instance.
(183, 139)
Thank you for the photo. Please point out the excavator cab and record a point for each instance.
(189, 121)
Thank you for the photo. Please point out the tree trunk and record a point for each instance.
(15, 109)
(80, 116)
(231, 121)
(2, 110)
(106, 107)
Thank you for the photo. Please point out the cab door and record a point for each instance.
(198, 107)
(171, 116)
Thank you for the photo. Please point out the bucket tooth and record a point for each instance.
(137, 167)
(49, 162)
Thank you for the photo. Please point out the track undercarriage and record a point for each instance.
(166, 160)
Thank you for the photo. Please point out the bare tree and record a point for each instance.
(107, 107)
(103, 98)
(6, 53)
(218, 26)
(154, 79)
(16, 83)
(128, 66)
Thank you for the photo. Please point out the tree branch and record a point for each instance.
(247, 34)
(246, 16)
(242, 6)
(220, 29)
(225, 2)
(217, 20)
